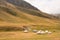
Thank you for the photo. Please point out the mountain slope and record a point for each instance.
(25, 5)
(20, 3)
(11, 13)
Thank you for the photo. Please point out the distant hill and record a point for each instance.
(58, 15)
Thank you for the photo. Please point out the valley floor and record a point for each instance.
(19, 35)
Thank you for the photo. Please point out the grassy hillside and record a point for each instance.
(20, 3)
(15, 16)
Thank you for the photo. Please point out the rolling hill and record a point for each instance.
(20, 3)
(19, 12)
(15, 14)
